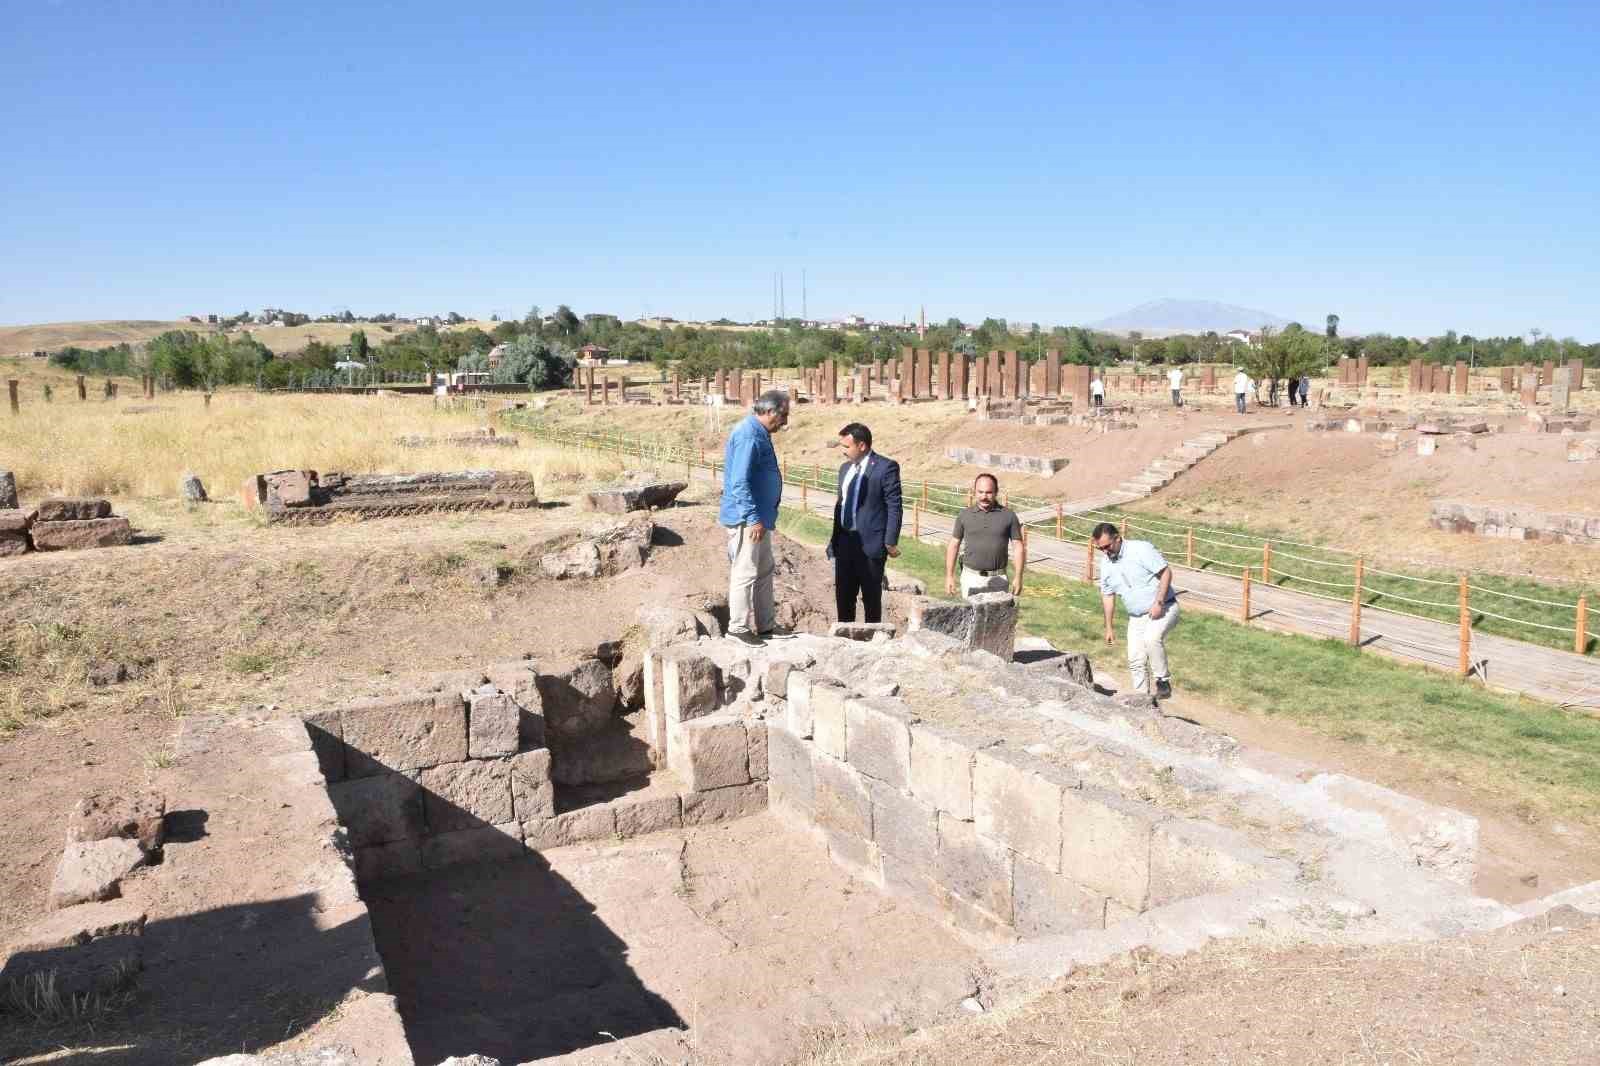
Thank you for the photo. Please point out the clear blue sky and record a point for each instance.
(1412, 172)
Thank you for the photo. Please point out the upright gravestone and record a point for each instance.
(1461, 378)
(1414, 379)
(1508, 380)
(8, 491)
(1441, 379)
(1208, 379)
(960, 367)
(908, 372)
(1549, 375)
(994, 374)
(1361, 372)
(720, 383)
(980, 377)
(1561, 389)
(946, 387)
(922, 387)
(1575, 376)
(1530, 388)
(1052, 372)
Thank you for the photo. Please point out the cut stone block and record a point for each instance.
(519, 678)
(789, 770)
(574, 827)
(1191, 858)
(533, 794)
(863, 631)
(580, 700)
(756, 729)
(107, 966)
(326, 730)
(493, 725)
(1105, 844)
(1016, 799)
(655, 711)
(80, 924)
(13, 544)
(466, 795)
(1048, 904)
(710, 752)
(406, 733)
(76, 535)
(828, 718)
(994, 627)
(691, 684)
(637, 817)
(397, 858)
(93, 870)
(489, 843)
(1437, 838)
(72, 509)
(8, 490)
(723, 804)
(376, 810)
(878, 739)
(941, 768)
(797, 709)
(974, 868)
(860, 858)
(903, 825)
(841, 798)
(136, 816)
(13, 520)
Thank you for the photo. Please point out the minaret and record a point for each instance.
(922, 321)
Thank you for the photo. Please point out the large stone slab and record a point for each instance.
(138, 816)
(828, 722)
(789, 772)
(8, 491)
(1105, 843)
(533, 793)
(81, 534)
(941, 768)
(488, 843)
(1016, 799)
(635, 494)
(842, 802)
(72, 509)
(1191, 858)
(80, 924)
(903, 825)
(93, 870)
(655, 814)
(493, 724)
(404, 733)
(974, 868)
(574, 827)
(724, 804)
(1048, 904)
(878, 739)
(691, 684)
(376, 810)
(13, 520)
(466, 795)
(13, 544)
(579, 700)
(987, 621)
(710, 752)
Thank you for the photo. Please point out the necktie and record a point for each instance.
(849, 516)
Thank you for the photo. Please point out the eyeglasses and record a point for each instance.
(1109, 546)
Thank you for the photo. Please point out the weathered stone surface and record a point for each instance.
(994, 625)
(797, 709)
(860, 858)
(15, 521)
(654, 815)
(519, 678)
(828, 727)
(953, 620)
(1016, 799)
(138, 816)
(903, 825)
(1190, 858)
(1105, 843)
(396, 858)
(1073, 666)
(404, 733)
(603, 551)
(580, 700)
(493, 724)
(319, 1057)
(974, 868)
(533, 793)
(841, 800)
(72, 509)
(376, 810)
(941, 768)
(899, 582)
(80, 924)
(326, 730)
(93, 870)
(710, 752)
(466, 795)
(573, 827)
(634, 494)
(789, 769)
(1438, 838)
(617, 751)
(107, 965)
(1583, 450)
(8, 491)
(878, 739)
(691, 684)
(289, 488)
(756, 731)
(1048, 904)
(81, 534)
(192, 489)
(864, 631)
(13, 544)
(489, 843)
(723, 804)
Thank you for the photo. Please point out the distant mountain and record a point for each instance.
(1162, 317)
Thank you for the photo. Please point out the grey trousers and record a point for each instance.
(750, 582)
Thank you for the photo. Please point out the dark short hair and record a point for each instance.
(858, 433)
(1104, 528)
(988, 475)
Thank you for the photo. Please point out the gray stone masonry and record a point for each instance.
(377, 810)
(533, 794)
(865, 631)
(987, 621)
(466, 795)
(407, 733)
(1016, 799)
(493, 724)
(878, 739)
(710, 752)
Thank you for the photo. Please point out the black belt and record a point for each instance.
(986, 573)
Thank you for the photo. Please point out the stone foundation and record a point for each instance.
(1039, 466)
(1516, 523)
(303, 497)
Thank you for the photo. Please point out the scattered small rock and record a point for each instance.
(8, 491)
(192, 489)
(93, 870)
(103, 673)
(139, 816)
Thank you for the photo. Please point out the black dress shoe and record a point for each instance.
(1163, 689)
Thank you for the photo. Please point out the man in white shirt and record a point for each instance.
(1135, 572)
(1175, 379)
(1241, 387)
(1097, 391)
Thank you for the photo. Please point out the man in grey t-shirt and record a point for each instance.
(982, 536)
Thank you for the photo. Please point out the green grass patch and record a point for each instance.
(1544, 759)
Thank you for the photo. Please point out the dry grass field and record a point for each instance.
(49, 336)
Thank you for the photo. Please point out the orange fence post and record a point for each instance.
(1058, 521)
(1465, 663)
(924, 492)
(1244, 599)
(1266, 561)
(805, 504)
(916, 522)
(1580, 638)
(1355, 606)
(1088, 562)
(1189, 549)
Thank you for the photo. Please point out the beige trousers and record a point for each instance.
(1147, 647)
(972, 581)
(750, 582)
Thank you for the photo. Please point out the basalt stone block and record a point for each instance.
(994, 624)
(691, 684)
(573, 827)
(1105, 843)
(326, 730)
(493, 725)
(8, 491)
(104, 966)
(79, 534)
(710, 752)
(634, 495)
(289, 488)
(974, 868)
(72, 509)
(863, 631)
(466, 795)
(789, 772)
(828, 718)
(797, 709)
(80, 924)
(376, 810)
(1191, 858)
(1048, 904)
(404, 733)
(533, 794)
(138, 816)
(93, 870)
(489, 843)
(396, 858)
(878, 739)
(941, 768)
(756, 732)
(724, 804)
(655, 815)
(903, 825)
(15, 521)
(13, 544)
(580, 700)
(842, 802)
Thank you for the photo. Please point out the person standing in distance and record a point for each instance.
(1241, 386)
(1097, 391)
(752, 486)
(1175, 379)
(981, 537)
(866, 524)
(1135, 572)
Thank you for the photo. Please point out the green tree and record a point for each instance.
(1286, 355)
(1333, 326)
(358, 346)
(567, 323)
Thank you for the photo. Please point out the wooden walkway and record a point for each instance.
(1558, 677)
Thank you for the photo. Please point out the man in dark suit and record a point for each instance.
(866, 524)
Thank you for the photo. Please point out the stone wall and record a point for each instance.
(1516, 523)
(1040, 466)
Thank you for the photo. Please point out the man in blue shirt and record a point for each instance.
(752, 486)
(1135, 572)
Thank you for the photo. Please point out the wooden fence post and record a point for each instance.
(1580, 637)
(1465, 663)
(11, 387)
(1244, 599)
(1088, 563)
(924, 492)
(1266, 562)
(1188, 549)
(1355, 606)
(1058, 521)
(805, 503)
(83, 389)
(916, 522)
